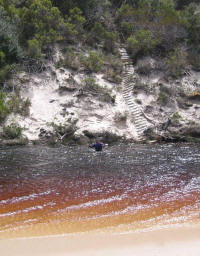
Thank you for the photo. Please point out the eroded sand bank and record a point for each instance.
(179, 241)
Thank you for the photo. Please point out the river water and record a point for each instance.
(125, 188)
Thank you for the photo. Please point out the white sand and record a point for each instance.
(173, 242)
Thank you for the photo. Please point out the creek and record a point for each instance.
(126, 188)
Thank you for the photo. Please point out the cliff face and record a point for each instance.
(67, 104)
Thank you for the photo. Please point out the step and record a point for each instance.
(140, 130)
(128, 86)
(136, 113)
(129, 72)
(139, 119)
(122, 49)
(140, 122)
(129, 89)
(141, 126)
(130, 100)
(128, 93)
(133, 109)
(127, 96)
(128, 78)
(128, 81)
(136, 116)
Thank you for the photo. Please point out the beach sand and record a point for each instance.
(176, 241)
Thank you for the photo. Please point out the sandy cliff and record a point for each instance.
(62, 104)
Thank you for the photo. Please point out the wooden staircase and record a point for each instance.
(140, 122)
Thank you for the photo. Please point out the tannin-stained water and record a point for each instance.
(50, 191)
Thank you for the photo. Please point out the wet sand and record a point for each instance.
(176, 241)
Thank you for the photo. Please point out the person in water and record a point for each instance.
(98, 146)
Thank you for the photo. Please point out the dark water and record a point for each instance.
(48, 191)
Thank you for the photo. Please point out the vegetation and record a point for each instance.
(12, 131)
(28, 29)
(3, 107)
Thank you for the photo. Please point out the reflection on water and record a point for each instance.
(46, 191)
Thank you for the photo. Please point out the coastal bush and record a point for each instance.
(112, 68)
(176, 62)
(3, 107)
(18, 105)
(102, 93)
(91, 85)
(105, 96)
(34, 48)
(30, 28)
(5, 73)
(98, 31)
(112, 76)
(194, 58)
(12, 131)
(163, 98)
(99, 34)
(192, 25)
(142, 43)
(160, 17)
(164, 94)
(71, 59)
(176, 116)
(92, 63)
(109, 41)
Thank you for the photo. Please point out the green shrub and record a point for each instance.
(34, 48)
(2, 58)
(76, 18)
(3, 108)
(176, 62)
(194, 58)
(12, 131)
(163, 98)
(102, 93)
(109, 41)
(16, 104)
(98, 31)
(72, 59)
(143, 42)
(176, 117)
(127, 28)
(193, 25)
(93, 62)
(5, 73)
(91, 85)
(100, 34)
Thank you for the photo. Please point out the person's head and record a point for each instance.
(97, 140)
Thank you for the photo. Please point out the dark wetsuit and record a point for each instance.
(98, 146)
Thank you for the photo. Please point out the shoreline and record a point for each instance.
(179, 241)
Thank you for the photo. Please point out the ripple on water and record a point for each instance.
(70, 189)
